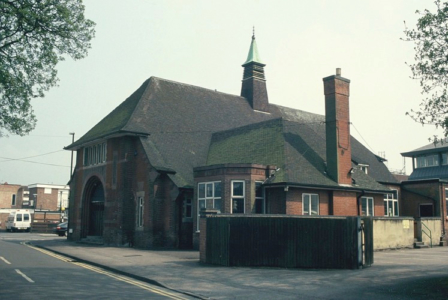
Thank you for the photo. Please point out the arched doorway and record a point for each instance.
(93, 218)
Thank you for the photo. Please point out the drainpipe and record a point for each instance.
(357, 201)
(442, 211)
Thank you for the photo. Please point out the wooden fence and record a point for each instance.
(288, 241)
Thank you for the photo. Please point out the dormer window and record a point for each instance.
(364, 168)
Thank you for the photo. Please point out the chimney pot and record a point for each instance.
(338, 71)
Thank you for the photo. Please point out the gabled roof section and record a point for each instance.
(430, 148)
(295, 147)
(182, 126)
(180, 120)
(116, 122)
(261, 143)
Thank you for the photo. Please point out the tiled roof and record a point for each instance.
(296, 148)
(176, 122)
(430, 148)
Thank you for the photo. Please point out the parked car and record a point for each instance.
(61, 229)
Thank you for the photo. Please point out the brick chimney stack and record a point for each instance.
(337, 120)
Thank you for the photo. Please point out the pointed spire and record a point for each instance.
(254, 82)
(253, 55)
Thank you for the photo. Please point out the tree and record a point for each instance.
(34, 36)
(431, 65)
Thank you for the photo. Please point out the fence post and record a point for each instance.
(203, 232)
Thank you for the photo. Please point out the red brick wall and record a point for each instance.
(275, 201)
(294, 201)
(6, 192)
(131, 178)
(345, 203)
(412, 195)
(45, 201)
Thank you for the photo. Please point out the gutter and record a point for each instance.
(326, 187)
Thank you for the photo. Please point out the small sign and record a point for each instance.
(406, 224)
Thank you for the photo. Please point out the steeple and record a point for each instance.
(253, 55)
(254, 83)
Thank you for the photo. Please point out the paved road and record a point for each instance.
(395, 274)
(34, 273)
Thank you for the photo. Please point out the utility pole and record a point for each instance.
(71, 161)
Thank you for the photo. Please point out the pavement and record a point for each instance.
(395, 274)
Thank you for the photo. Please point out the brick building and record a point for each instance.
(49, 197)
(425, 192)
(12, 195)
(34, 197)
(145, 171)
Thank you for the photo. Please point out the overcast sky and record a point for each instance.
(204, 43)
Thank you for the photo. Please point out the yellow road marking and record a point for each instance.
(126, 279)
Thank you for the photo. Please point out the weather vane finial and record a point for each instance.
(253, 32)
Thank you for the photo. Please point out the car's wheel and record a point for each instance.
(61, 234)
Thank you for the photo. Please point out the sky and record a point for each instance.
(205, 42)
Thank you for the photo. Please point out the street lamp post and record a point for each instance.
(71, 161)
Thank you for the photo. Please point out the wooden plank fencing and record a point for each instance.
(287, 241)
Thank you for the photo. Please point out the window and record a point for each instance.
(140, 212)
(429, 160)
(19, 217)
(391, 204)
(13, 199)
(310, 204)
(26, 217)
(367, 206)
(364, 168)
(259, 198)
(209, 196)
(237, 197)
(95, 154)
(187, 207)
(445, 158)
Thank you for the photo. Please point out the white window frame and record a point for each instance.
(206, 197)
(390, 202)
(140, 211)
(261, 198)
(370, 209)
(238, 197)
(307, 211)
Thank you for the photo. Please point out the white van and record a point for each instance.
(19, 220)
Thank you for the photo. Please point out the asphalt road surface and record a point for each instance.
(27, 272)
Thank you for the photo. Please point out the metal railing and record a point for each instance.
(429, 235)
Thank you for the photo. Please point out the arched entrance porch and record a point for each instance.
(93, 208)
